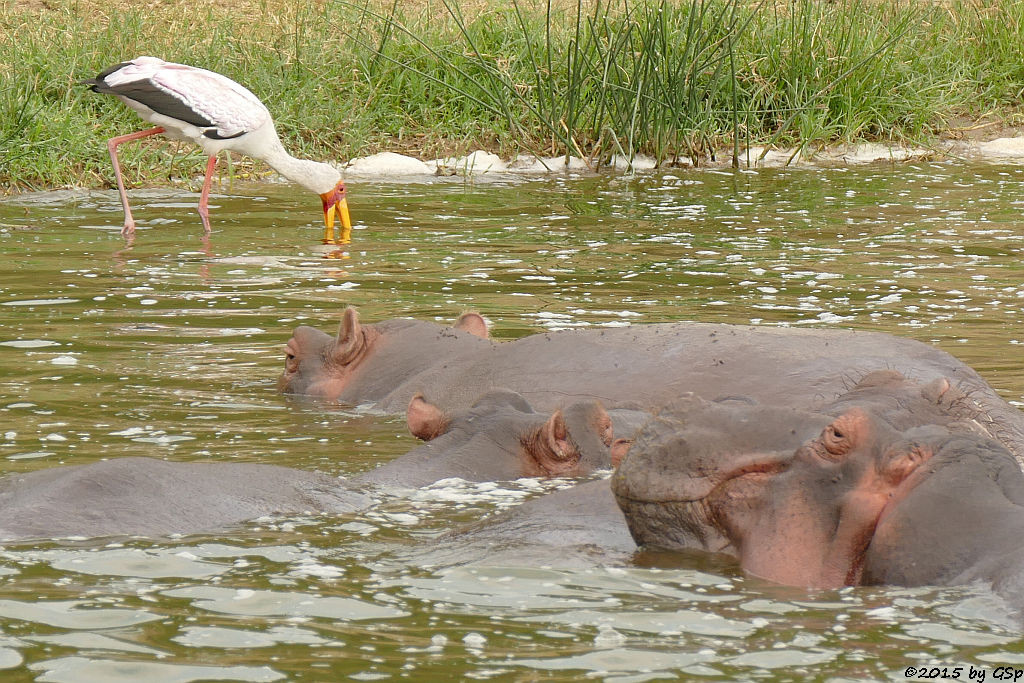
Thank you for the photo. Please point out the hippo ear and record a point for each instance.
(472, 322)
(935, 390)
(426, 421)
(350, 339)
(554, 452)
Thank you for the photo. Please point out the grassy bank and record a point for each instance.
(344, 79)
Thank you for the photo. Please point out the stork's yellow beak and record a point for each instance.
(346, 221)
(336, 206)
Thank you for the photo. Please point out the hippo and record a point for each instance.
(499, 437)
(892, 482)
(641, 367)
(961, 522)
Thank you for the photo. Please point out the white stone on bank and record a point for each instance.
(476, 162)
(642, 163)
(482, 164)
(759, 157)
(391, 164)
(870, 153)
(1002, 149)
(387, 164)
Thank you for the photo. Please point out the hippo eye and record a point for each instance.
(834, 440)
(838, 438)
(291, 364)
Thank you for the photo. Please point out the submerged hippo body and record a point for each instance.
(645, 366)
(855, 491)
(150, 497)
(575, 526)
(500, 437)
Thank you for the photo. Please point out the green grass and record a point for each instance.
(345, 78)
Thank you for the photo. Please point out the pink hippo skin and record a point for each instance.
(642, 367)
(901, 483)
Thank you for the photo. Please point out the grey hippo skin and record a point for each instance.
(962, 521)
(893, 482)
(642, 367)
(150, 497)
(500, 437)
(578, 526)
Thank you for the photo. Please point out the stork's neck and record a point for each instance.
(312, 175)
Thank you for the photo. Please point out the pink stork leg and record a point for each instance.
(204, 198)
(112, 143)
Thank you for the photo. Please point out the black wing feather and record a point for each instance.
(145, 92)
(117, 67)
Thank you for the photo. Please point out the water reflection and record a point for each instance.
(169, 347)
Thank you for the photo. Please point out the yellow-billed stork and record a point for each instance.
(188, 103)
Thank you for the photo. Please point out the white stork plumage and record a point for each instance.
(188, 103)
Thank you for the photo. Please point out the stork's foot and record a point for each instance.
(204, 215)
(129, 237)
(129, 229)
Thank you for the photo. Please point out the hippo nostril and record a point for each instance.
(904, 461)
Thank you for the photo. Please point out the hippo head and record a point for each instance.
(796, 496)
(961, 522)
(502, 429)
(321, 366)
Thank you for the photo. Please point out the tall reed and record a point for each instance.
(597, 81)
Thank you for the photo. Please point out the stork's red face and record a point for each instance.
(335, 203)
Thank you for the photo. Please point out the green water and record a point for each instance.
(171, 347)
